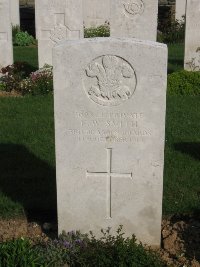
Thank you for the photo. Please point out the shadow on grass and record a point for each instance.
(175, 65)
(189, 148)
(28, 180)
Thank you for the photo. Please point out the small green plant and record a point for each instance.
(109, 251)
(39, 82)
(101, 31)
(23, 39)
(2, 86)
(13, 75)
(184, 83)
(19, 77)
(19, 253)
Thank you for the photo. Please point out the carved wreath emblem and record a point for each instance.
(134, 7)
(110, 80)
(58, 33)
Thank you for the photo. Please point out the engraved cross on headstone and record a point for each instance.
(59, 31)
(109, 175)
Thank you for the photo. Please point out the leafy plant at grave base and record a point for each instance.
(19, 253)
(13, 75)
(172, 32)
(109, 251)
(23, 39)
(15, 30)
(39, 82)
(101, 31)
(2, 86)
(184, 83)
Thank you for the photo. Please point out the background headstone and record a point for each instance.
(192, 36)
(134, 18)
(110, 132)
(15, 16)
(96, 12)
(57, 20)
(180, 9)
(6, 49)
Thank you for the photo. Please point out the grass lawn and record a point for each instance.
(28, 54)
(176, 57)
(182, 155)
(27, 169)
(27, 155)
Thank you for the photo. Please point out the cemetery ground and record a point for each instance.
(28, 180)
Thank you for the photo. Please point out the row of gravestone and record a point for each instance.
(59, 20)
(56, 20)
(110, 102)
(96, 12)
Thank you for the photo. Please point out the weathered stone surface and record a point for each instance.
(15, 17)
(110, 132)
(96, 12)
(6, 50)
(56, 20)
(192, 36)
(180, 9)
(134, 18)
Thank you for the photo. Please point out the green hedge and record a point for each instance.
(184, 83)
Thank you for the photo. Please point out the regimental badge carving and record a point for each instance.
(110, 80)
(194, 64)
(134, 7)
(58, 33)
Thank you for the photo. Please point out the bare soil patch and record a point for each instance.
(181, 241)
(13, 93)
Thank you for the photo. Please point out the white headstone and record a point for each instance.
(15, 16)
(57, 20)
(6, 49)
(134, 19)
(180, 9)
(192, 36)
(110, 134)
(96, 12)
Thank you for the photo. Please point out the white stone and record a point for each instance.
(110, 132)
(180, 9)
(6, 49)
(96, 12)
(15, 16)
(192, 36)
(134, 19)
(57, 20)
